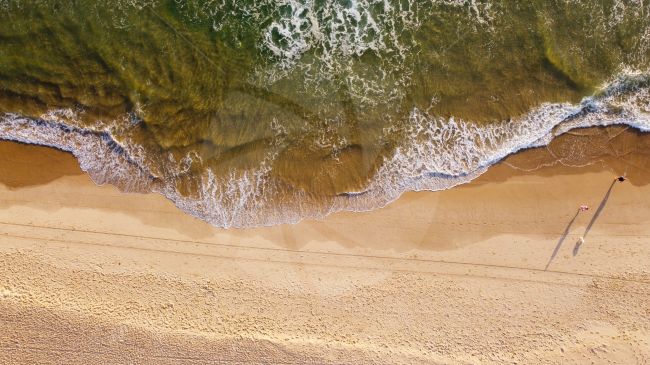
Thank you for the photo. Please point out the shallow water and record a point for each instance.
(261, 112)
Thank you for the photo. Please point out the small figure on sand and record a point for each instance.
(579, 244)
(621, 178)
(584, 208)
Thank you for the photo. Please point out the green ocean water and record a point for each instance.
(272, 106)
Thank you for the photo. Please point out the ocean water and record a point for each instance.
(259, 112)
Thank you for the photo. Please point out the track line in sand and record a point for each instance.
(107, 354)
(236, 246)
(463, 269)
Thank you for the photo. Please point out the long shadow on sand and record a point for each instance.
(601, 206)
(561, 240)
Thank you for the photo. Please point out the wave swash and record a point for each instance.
(443, 154)
(259, 112)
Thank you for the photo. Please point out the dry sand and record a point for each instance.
(487, 273)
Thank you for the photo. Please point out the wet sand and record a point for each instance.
(487, 273)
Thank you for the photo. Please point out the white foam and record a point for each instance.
(96, 152)
(438, 154)
(336, 35)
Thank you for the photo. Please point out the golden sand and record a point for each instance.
(486, 273)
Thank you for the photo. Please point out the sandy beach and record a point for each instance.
(486, 273)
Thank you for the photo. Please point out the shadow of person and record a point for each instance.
(561, 240)
(576, 248)
(599, 210)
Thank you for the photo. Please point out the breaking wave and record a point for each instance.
(437, 153)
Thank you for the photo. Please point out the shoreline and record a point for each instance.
(477, 273)
(447, 153)
(535, 159)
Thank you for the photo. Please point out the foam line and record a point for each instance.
(439, 154)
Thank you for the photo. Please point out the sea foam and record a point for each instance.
(437, 154)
